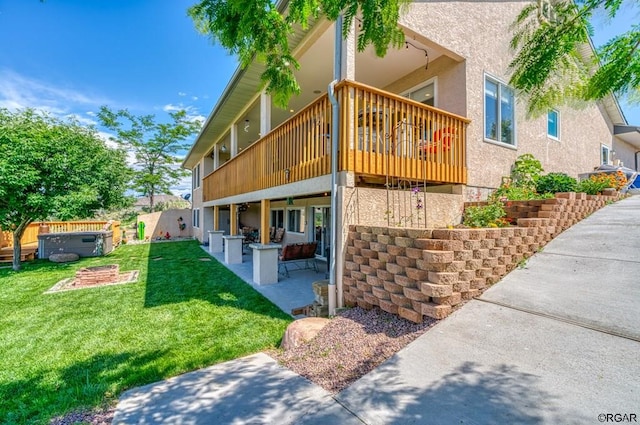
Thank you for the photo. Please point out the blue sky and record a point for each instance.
(72, 56)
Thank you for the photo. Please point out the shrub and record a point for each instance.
(514, 193)
(526, 170)
(593, 186)
(555, 182)
(491, 215)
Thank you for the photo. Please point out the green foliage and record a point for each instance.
(255, 29)
(83, 348)
(526, 170)
(555, 182)
(154, 145)
(592, 187)
(514, 193)
(491, 215)
(54, 169)
(550, 70)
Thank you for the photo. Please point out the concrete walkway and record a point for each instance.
(555, 342)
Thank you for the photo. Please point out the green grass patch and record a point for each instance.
(81, 349)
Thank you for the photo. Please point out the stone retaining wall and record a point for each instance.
(425, 272)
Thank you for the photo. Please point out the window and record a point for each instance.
(277, 218)
(553, 124)
(196, 218)
(499, 112)
(605, 154)
(295, 221)
(424, 93)
(196, 177)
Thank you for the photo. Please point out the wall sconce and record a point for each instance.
(287, 174)
(223, 148)
(246, 125)
(213, 154)
(426, 54)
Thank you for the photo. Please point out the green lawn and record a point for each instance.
(82, 348)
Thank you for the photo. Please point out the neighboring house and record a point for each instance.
(436, 115)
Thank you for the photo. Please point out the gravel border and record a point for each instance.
(350, 346)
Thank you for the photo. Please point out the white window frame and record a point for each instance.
(302, 217)
(549, 135)
(196, 176)
(275, 210)
(434, 81)
(196, 218)
(499, 142)
(603, 149)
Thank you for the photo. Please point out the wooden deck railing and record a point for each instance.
(30, 235)
(387, 135)
(383, 135)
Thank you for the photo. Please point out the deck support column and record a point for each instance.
(233, 219)
(216, 217)
(265, 204)
(215, 241)
(233, 249)
(265, 263)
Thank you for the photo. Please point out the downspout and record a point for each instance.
(335, 139)
(635, 156)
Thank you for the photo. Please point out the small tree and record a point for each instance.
(548, 66)
(154, 145)
(52, 168)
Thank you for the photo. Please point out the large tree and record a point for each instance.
(154, 145)
(54, 169)
(547, 66)
(257, 29)
(550, 65)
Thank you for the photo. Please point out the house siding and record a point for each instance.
(480, 32)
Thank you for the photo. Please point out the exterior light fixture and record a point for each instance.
(246, 125)
(223, 148)
(426, 54)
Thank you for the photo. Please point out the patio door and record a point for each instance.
(321, 229)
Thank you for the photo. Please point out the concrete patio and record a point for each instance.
(289, 293)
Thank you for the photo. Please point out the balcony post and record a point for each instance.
(265, 114)
(234, 140)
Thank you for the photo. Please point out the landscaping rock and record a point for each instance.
(302, 331)
(66, 257)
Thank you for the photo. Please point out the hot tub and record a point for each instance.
(85, 244)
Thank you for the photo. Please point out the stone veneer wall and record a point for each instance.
(425, 272)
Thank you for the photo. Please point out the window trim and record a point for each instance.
(196, 218)
(301, 224)
(432, 80)
(271, 211)
(196, 176)
(552, 137)
(499, 82)
(604, 147)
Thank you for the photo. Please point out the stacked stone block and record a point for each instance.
(426, 272)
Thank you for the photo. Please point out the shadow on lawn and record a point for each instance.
(181, 271)
(85, 383)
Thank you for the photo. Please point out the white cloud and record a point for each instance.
(193, 115)
(91, 113)
(18, 92)
(82, 120)
(194, 97)
(170, 107)
(181, 93)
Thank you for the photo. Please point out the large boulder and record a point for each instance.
(65, 257)
(302, 331)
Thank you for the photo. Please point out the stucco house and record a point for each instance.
(435, 117)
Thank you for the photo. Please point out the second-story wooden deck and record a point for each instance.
(382, 136)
